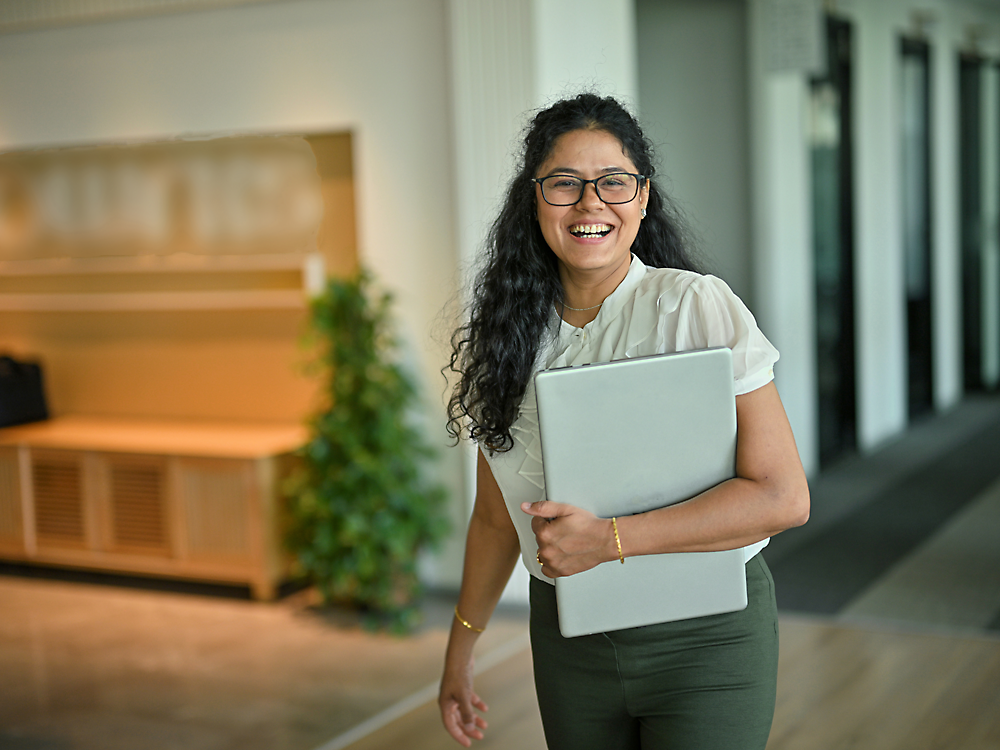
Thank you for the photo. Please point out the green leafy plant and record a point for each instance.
(360, 506)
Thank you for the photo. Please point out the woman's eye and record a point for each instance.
(613, 181)
(565, 183)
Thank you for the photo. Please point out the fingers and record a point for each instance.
(463, 729)
(538, 526)
(453, 723)
(467, 715)
(546, 509)
(572, 542)
(461, 722)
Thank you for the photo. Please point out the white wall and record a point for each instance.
(584, 44)
(694, 107)
(376, 67)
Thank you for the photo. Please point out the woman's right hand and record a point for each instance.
(459, 704)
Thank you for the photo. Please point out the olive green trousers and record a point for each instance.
(702, 684)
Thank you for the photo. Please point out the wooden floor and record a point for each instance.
(845, 687)
(840, 688)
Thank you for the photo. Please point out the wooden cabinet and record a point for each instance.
(194, 501)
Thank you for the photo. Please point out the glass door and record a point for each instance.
(915, 140)
(833, 244)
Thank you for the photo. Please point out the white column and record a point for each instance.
(784, 280)
(946, 257)
(507, 58)
(492, 76)
(492, 68)
(880, 297)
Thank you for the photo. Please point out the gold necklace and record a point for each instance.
(581, 309)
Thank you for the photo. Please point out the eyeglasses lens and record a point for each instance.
(564, 190)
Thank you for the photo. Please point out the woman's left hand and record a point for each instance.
(570, 539)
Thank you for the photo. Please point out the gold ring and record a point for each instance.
(538, 559)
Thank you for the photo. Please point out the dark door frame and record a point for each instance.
(836, 388)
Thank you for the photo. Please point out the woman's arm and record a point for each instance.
(768, 495)
(491, 551)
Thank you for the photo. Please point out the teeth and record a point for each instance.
(581, 229)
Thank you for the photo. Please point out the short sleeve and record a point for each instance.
(711, 315)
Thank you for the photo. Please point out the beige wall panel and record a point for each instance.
(337, 238)
(241, 365)
(244, 380)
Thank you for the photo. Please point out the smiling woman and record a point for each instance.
(586, 263)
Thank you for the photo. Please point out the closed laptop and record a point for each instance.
(625, 437)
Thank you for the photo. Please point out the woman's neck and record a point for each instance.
(584, 293)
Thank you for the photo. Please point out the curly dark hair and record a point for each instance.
(514, 293)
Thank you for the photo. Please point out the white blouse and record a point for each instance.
(653, 311)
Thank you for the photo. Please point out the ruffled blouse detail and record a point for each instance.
(525, 433)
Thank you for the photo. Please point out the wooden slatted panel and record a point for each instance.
(11, 529)
(138, 512)
(215, 495)
(58, 490)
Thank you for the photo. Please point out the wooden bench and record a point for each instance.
(176, 499)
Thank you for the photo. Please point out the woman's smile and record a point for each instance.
(590, 232)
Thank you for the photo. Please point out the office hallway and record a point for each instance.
(890, 601)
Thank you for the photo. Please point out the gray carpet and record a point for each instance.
(906, 533)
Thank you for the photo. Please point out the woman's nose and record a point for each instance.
(590, 198)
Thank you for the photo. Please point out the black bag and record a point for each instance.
(22, 398)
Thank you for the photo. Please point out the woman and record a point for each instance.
(586, 264)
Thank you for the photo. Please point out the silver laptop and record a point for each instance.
(624, 437)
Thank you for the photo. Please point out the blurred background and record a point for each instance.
(177, 177)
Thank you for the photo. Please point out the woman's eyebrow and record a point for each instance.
(571, 170)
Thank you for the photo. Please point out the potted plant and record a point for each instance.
(361, 508)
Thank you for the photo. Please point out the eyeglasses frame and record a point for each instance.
(640, 181)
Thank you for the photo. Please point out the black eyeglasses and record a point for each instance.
(567, 190)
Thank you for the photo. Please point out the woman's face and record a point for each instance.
(590, 237)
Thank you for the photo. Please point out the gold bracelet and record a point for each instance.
(475, 630)
(614, 524)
